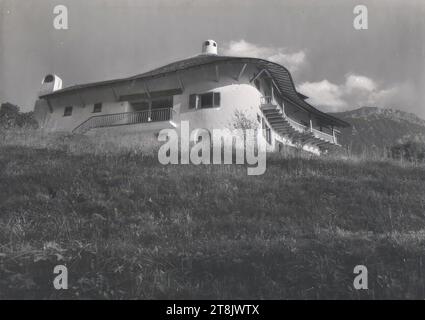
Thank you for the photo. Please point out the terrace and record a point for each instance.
(125, 118)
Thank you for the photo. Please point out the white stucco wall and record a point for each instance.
(235, 95)
(57, 122)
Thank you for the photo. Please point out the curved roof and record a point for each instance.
(279, 73)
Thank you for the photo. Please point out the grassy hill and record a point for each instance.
(128, 227)
(377, 129)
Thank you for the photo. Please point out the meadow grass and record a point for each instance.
(128, 227)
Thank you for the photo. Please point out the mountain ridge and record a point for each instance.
(378, 128)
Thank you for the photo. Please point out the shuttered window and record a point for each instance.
(216, 99)
(192, 101)
(205, 100)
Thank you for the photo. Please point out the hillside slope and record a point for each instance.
(127, 227)
(375, 128)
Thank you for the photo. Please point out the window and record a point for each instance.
(97, 107)
(205, 100)
(67, 112)
(209, 100)
(267, 132)
(207, 43)
(268, 135)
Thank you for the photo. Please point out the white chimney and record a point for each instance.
(209, 47)
(50, 83)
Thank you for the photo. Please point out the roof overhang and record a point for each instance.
(279, 73)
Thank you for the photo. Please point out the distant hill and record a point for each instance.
(375, 128)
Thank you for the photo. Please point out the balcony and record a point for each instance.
(125, 118)
(325, 136)
(299, 132)
(268, 100)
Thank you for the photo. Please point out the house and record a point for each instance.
(206, 90)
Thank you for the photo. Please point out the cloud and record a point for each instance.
(354, 82)
(356, 91)
(293, 61)
(323, 93)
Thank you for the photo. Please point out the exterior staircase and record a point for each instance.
(298, 132)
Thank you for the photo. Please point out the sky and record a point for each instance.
(338, 67)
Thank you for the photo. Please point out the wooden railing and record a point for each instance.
(267, 100)
(323, 135)
(297, 126)
(125, 118)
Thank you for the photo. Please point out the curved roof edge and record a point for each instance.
(279, 73)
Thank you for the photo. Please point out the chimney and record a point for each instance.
(50, 83)
(209, 47)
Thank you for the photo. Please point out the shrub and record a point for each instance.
(410, 151)
(11, 117)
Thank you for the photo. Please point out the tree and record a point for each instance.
(410, 150)
(11, 117)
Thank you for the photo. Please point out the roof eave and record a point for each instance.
(281, 72)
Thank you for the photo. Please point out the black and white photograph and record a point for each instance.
(217, 150)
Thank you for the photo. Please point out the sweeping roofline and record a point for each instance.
(281, 76)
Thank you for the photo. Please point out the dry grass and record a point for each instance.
(128, 227)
